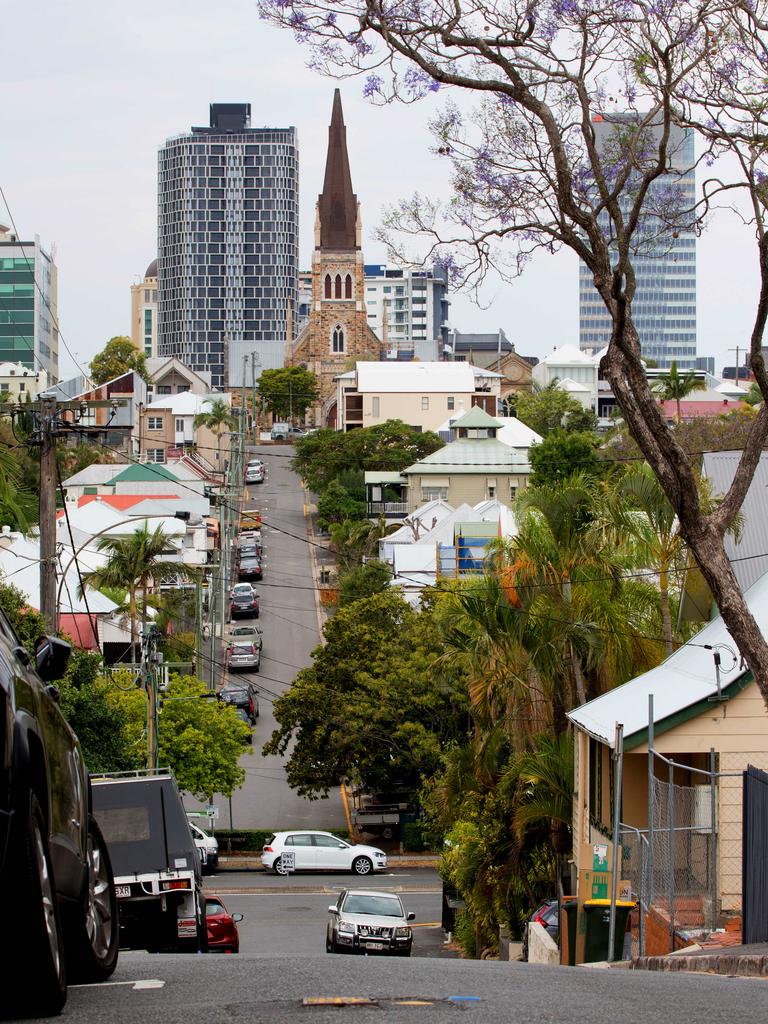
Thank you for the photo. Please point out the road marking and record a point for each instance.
(339, 1001)
(413, 1002)
(137, 986)
(426, 924)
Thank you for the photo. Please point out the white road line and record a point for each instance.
(136, 985)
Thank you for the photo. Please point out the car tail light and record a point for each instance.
(177, 883)
(253, 649)
(267, 849)
(540, 917)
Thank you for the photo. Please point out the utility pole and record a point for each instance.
(149, 667)
(48, 514)
(254, 414)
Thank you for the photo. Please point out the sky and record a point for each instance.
(92, 90)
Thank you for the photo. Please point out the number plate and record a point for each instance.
(374, 945)
(121, 891)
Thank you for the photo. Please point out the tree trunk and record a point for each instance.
(134, 624)
(666, 618)
(578, 678)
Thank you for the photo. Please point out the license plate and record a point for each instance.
(374, 945)
(121, 891)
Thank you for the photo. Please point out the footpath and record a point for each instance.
(733, 962)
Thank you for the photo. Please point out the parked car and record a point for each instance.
(240, 632)
(223, 936)
(285, 432)
(244, 717)
(208, 844)
(255, 474)
(547, 914)
(248, 551)
(56, 876)
(244, 602)
(321, 851)
(244, 654)
(249, 567)
(242, 695)
(369, 921)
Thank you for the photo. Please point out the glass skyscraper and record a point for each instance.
(664, 306)
(228, 239)
(29, 329)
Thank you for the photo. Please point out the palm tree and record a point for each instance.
(674, 386)
(216, 418)
(134, 564)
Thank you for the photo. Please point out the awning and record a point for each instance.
(82, 629)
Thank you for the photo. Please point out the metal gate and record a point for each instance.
(754, 860)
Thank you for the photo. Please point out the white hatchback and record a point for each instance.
(321, 851)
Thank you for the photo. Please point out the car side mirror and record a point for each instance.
(333, 910)
(411, 916)
(342, 846)
(237, 918)
(52, 658)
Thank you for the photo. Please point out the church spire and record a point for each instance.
(337, 204)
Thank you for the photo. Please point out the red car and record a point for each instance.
(223, 936)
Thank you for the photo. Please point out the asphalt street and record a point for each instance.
(147, 989)
(288, 617)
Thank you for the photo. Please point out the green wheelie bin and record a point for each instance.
(598, 914)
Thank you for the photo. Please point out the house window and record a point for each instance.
(424, 403)
(179, 426)
(512, 491)
(348, 287)
(155, 454)
(490, 486)
(431, 493)
(163, 389)
(375, 402)
(154, 422)
(337, 287)
(328, 294)
(451, 403)
(337, 338)
(181, 388)
(22, 386)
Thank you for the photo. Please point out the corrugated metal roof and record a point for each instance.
(470, 455)
(750, 555)
(684, 679)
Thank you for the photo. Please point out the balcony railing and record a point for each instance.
(387, 508)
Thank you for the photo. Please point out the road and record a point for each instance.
(205, 989)
(287, 917)
(289, 619)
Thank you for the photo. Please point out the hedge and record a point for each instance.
(252, 840)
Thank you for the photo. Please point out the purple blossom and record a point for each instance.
(373, 86)
(418, 83)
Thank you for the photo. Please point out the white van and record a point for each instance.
(285, 432)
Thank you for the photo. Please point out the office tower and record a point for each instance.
(29, 321)
(336, 331)
(144, 312)
(228, 244)
(664, 306)
(413, 304)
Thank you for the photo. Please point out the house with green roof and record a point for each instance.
(473, 467)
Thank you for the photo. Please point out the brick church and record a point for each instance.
(337, 332)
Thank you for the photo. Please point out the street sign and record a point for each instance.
(288, 861)
(211, 811)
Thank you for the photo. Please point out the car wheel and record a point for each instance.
(387, 832)
(92, 950)
(362, 866)
(256, 615)
(278, 868)
(38, 938)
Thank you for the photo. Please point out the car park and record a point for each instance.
(321, 851)
(243, 654)
(223, 936)
(61, 918)
(242, 695)
(207, 845)
(366, 922)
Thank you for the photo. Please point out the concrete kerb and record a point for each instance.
(733, 965)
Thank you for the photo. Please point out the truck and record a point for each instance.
(378, 814)
(157, 867)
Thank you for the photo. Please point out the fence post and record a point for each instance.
(671, 864)
(641, 894)
(650, 800)
(713, 826)
(618, 759)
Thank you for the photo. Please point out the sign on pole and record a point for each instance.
(288, 861)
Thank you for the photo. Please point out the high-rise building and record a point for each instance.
(408, 309)
(337, 330)
(228, 235)
(29, 321)
(664, 305)
(144, 312)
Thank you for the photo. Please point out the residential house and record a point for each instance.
(494, 351)
(574, 371)
(473, 467)
(419, 394)
(181, 478)
(172, 377)
(17, 381)
(703, 713)
(167, 429)
(112, 422)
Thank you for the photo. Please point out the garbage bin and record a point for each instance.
(569, 913)
(598, 914)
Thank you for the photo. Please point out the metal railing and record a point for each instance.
(392, 508)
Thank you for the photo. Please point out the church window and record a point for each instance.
(348, 287)
(337, 338)
(337, 287)
(328, 294)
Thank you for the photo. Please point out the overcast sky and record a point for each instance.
(90, 91)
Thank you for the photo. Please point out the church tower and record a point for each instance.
(337, 331)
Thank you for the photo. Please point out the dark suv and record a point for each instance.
(55, 875)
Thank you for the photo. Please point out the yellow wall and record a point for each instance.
(467, 488)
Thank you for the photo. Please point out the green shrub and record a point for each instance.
(414, 839)
(464, 934)
(251, 840)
